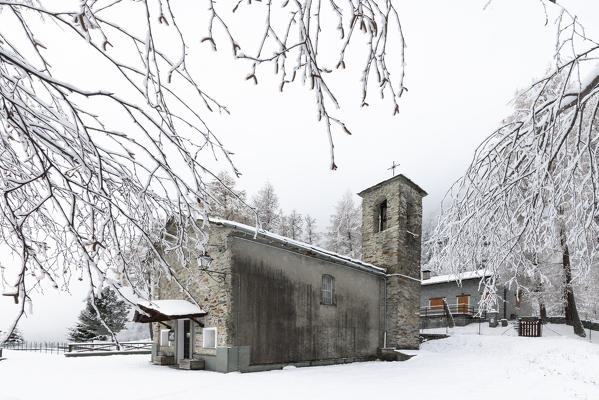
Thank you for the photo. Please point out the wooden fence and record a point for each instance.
(109, 347)
(530, 327)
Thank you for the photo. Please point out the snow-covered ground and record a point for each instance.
(465, 366)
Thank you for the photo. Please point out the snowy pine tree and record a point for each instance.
(15, 337)
(113, 311)
(266, 204)
(226, 201)
(344, 235)
(296, 225)
(283, 228)
(311, 236)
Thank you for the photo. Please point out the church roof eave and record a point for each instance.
(396, 177)
(308, 248)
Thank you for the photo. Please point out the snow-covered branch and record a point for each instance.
(103, 129)
(529, 198)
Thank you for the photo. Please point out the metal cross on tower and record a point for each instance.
(392, 168)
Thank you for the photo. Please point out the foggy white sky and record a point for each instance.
(464, 64)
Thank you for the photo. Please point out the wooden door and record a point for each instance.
(463, 303)
(436, 305)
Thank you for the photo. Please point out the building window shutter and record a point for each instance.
(328, 289)
(209, 338)
(518, 298)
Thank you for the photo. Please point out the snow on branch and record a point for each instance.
(103, 132)
(529, 198)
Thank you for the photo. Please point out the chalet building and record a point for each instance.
(266, 301)
(462, 299)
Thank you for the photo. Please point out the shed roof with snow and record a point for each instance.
(166, 310)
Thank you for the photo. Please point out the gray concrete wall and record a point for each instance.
(281, 318)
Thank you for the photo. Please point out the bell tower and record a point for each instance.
(391, 238)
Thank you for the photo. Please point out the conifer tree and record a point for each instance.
(283, 227)
(296, 225)
(266, 203)
(311, 236)
(15, 336)
(344, 235)
(226, 201)
(113, 312)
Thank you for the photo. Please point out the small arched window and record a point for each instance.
(328, 289)
(382, 216)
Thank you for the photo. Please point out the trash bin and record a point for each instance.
(493, 322)
(503, 322)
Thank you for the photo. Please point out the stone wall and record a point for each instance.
(211, 290)
(403, 320)
(397, 248)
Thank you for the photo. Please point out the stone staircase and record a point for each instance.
(191, 364)
(163, 360)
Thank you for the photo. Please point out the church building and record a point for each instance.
(266, 301)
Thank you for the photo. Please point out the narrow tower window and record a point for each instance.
(382, 219)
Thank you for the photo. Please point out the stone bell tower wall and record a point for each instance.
(397, 248)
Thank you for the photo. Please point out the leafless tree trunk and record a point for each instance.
(543, 312)
(571, 310)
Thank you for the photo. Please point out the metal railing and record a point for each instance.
(454, 309)
(40, 347)
(59, 347)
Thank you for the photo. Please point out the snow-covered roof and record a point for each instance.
(453, 277)
(161, 310)
(172, 307)
(351, 262)
(401, 177)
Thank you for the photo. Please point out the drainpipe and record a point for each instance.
(237, 325)
(385, 316)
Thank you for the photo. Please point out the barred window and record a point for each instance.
(328, 289)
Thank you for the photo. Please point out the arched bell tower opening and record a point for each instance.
(391, 238)
(381, 216)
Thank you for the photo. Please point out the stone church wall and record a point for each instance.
(211, 290)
